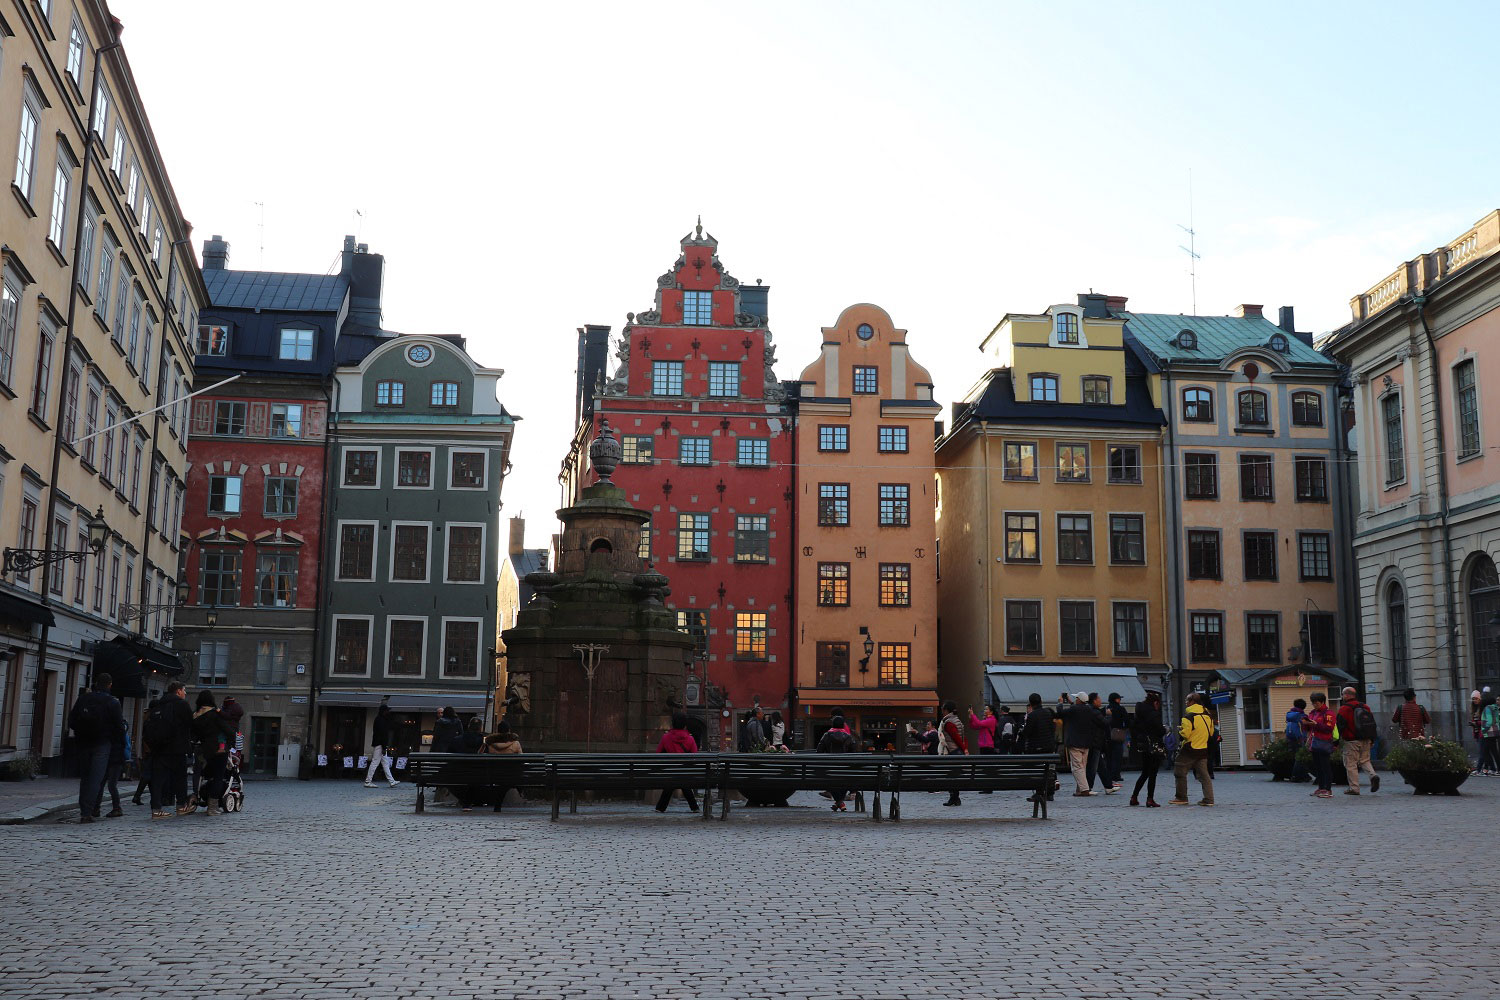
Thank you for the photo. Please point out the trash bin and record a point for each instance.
(288, 755)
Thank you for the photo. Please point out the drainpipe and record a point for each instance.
(325, 566)
(989, 560)
(1174, 549)
(793, 419)
(1344, 520)
(1420, 301)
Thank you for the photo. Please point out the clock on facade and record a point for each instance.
(419, 354)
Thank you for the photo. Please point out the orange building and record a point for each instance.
(866, 567)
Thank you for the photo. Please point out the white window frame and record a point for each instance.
(426, 638)
(333, 644)
(484, 539)
(390, 566)
(281, 343)
(78, 43)
(343, 466)
(479, 647)
(27, 153)
(431, 468)
(484, 477)
(62, 185)
(338, 555)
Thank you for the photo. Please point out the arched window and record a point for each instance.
(1067, 328)
(1198, 405)
(1395, 616)
(1253, 410)
(1307, 409)
(1484, 602)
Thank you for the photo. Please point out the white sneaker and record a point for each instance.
(395, 783)
(369, 784)
(1110, 790)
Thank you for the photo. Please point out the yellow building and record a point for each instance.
(866, 576)
(1049, 517)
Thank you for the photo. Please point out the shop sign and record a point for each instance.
(1221, 697)
(1299, 680)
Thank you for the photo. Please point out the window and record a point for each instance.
(1076, 627)
(1200, 476)
(356, 552)
(1395, 631)
(286, 420)
(1278, 343)
(638, 449)
(10, 307)
(895, 585)
(91, 425)
(1256, 481)
(833, 504)
(443, 394)
(892, 439)
(134, 185)
(276, 579)
(1207, 641)
(229, 418)
(694, 451)
(60, 567)
(413, 469)
(895, 664)
(465, 553)
(692, 537)
(1067, 328)
(695, 624)
(1095, 389)
(406, 646)
(62, 180)
(1072, 463)
(296, 344)
(409, 552)
(1253, 408)
(1203, 555)
(1314, 562)
(833, 664)
(41, 383)
(220, 577)
(866, 380)
(1020, 460)
(81, 575)
(1075, 538)
(26, 538)
(1466, 400)
(697, 308)
(137, 304)
(460, 649)
(752, 539)
(466, 469)
(1260, 555)
(754, 451)
(1044, 388)
(1130, 628)
(666, 378)
(26, 145)
(70, 403)
(750, 635)
(361, 467)
(137, 460)
(1484, 602)
(281, 496)
(84, 271)
(1395, 449)
(1023, 626)
(1198, 405)
(833, 437)
(224, 494)
(1022, 534)
(1124, 463)
(1263, 638)
(76, 43)
(122, 296)
(1322, 637)
(895, 504)
(390, 393)
(1307, 409)
(351, 646)
(643, 547)
(1312, 479)
(213, 663)
(724, 378)
(1127, 538)
(107, 253)
(833, 585)
(271, 656)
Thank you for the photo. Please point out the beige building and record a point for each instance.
(97, 311)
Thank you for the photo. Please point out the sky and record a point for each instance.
(528, 168)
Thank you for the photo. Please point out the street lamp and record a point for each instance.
(864, 663)
(25, 560)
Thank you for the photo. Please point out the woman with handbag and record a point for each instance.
(1147, 732)
(1321, 721)
(1114, 749)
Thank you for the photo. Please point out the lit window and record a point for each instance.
(833, 585)
(351, 646)
(833, 664)
(750, 635)
(895, 664)
(637, 449)
(895, 585)
(460, 649)
(1022, 534)
(406, 647)
(695, 624)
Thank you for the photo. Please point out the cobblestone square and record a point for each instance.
(331, 890)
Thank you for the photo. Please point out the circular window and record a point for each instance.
(1187, 340)
(419, 354)
(865, 331)
(1278, 342)
(1251, 370)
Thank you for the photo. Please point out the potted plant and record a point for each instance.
(1430, 766)
(1279, 757)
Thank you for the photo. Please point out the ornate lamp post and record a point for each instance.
(26, 560)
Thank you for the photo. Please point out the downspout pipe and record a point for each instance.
(1172, 502)
(1445, 530)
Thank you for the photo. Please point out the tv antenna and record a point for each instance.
(1192, 248)
(261, 261)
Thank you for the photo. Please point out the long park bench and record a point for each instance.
(557, 774)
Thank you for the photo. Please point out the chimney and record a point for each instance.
(1247, 311)
(1115, 303)
(753, 301)
(1286, 320)
(593, 360)
(517, 536)
(1093, 304)
(215, 253)
(365, 273)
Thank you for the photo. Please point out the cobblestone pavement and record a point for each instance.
(332, 890)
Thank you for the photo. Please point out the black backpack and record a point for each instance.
(1364, 722)
(87, 720)
(158, 730)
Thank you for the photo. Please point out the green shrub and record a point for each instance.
(1276, 755)
(1427, 755)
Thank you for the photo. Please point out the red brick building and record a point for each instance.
(709, 452)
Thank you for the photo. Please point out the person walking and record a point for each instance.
(1114, 748)
(1082, 726)
(777, 731)
(446, 728)
(1196, 733)
(1489, 733)
(984, 733)
(753, 733)
(142, 765)
(168, 738)
(1410, 718)
(1476, 704)
(1357, 735)
(119, 753)
(1146, 733)
(97, 723)
(1319, 731)
(212, 732)
(951, 742)
(382, 735)
(1038, 735)
(1005, 743)
(838, 739)
(677, 740)
(1296, 737)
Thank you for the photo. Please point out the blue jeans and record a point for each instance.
(93, 766)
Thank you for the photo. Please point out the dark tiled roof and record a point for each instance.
(998, 403)
(276, 291)
(528, 561)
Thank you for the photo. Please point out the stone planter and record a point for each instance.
(1434, 782)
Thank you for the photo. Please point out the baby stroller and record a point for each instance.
(233, 798)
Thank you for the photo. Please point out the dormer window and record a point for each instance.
(1187, 340)
(1044, 388)
(697, 308)
(213, 339)
(1278, 343)
(1067, 328)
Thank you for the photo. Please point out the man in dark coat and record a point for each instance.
(97, 724)
(168, 738)
(1083, 730)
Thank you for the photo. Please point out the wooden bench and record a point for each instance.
(1036, 773)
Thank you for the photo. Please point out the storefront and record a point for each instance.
(1252, 704)
(876, 716)
(348, 719)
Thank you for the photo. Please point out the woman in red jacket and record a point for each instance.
(677, 740)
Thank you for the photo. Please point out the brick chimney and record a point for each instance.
(1247, 311)
(215, 253)
(517, 536)
(1115, 303)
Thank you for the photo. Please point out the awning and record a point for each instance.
(1011, 685)
(1319, 676)
(21, 610)
(401, 701)
(869, 697)
(128, 660)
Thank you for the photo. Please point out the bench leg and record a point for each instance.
(723, 803)
(573, 802)
(875, 807)
(708, 800)
(859, 801)
(556, 799)
(421, 800)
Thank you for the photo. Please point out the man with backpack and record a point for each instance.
(168, 738)
(1357, 733)
(97, 723)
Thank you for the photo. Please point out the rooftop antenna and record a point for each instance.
(359, 225)
(1192, 248)
(260, 263)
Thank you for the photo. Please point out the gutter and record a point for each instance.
(325, 567)
(1174, 551)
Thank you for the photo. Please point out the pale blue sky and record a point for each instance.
(527, 168)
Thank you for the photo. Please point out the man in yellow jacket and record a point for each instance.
(1196, 730)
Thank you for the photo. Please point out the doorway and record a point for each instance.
(265, 740)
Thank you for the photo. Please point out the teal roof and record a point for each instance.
(1218, 337)
(418, 418)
